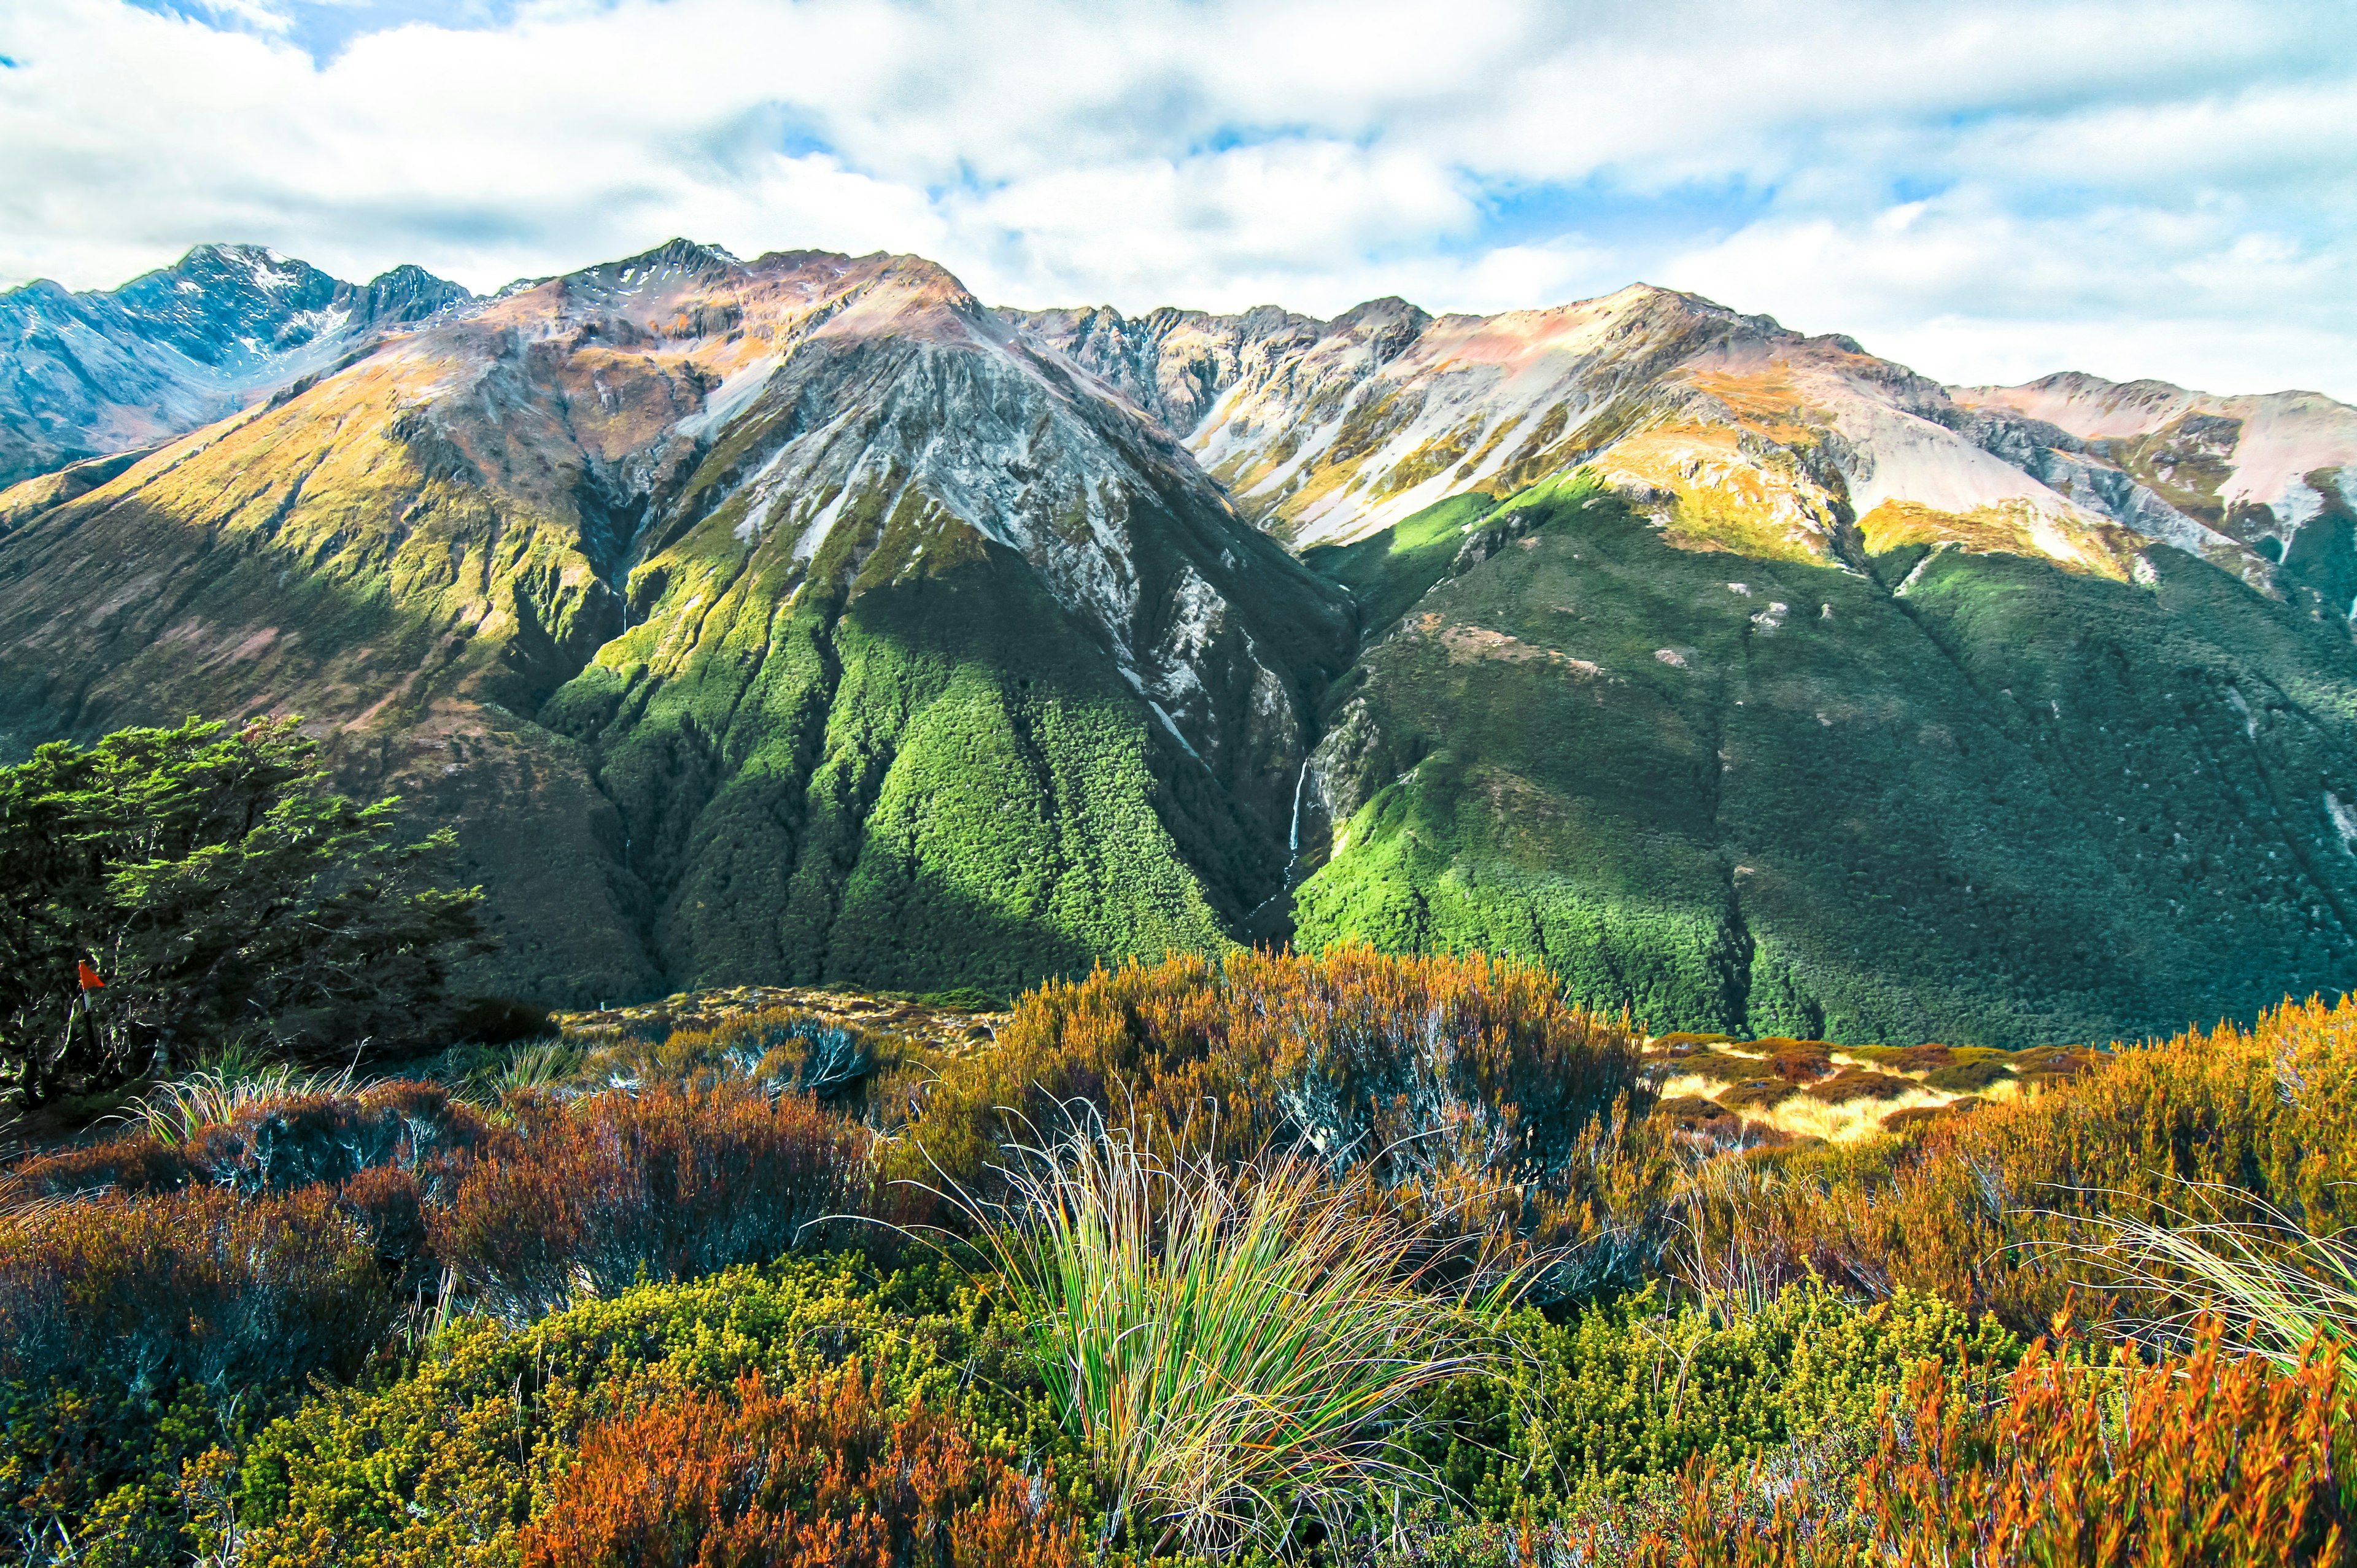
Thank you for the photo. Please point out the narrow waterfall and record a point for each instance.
(1292, 840)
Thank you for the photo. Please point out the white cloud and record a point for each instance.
(1963, 290)
(2151, 188)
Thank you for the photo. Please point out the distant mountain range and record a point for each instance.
(88, 375)
(804, 618)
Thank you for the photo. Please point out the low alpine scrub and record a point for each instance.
(452, 1461)
(827, 1475)
(1464, 1090)
(1988, 1210)
(594, 1195)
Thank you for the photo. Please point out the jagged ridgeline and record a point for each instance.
(804, 619)
(790, 620)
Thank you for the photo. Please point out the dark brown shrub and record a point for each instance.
(821, 1476)
(665, 1185)
(1758, 1093)
(1904, 1058)
(1795, 1063)
(1858, 1083)
(198, 1285)
(133, 1163)
(1919, 1116)
(1716, 1066)
(1968, 1078)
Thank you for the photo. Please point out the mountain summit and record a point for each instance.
(88, 375)
(802, 619)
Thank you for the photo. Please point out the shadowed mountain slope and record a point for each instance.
(692, 590)
(802, 620)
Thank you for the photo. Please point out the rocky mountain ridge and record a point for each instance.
(88, 375)
(803, 620)
(672, 582)
(1726, 427)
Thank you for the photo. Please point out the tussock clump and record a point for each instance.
(1241, 1350)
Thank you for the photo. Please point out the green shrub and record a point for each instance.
(445, 1464)
(1634, 1389)
(220, 888)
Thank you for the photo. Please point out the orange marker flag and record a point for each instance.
(89, 979)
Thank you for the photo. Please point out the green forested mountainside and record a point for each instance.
(1967, 797)
(903, 763)
(734, 700)
(801, 621)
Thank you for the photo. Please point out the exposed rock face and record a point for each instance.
(86, 375)
(800, 620)
(786, 618)
(1730, 431)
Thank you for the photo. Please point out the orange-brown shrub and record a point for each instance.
(2204, 1461)
(824, 1475)
(198, 1285)
(1978, 1208)
(664, 1185)
(1465, 1087)
(2207, 1460)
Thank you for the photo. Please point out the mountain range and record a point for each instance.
(805, 619)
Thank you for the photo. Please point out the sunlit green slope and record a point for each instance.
(1966, 796)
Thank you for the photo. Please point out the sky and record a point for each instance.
(1986, 192)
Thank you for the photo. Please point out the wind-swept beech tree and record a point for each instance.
(165, 890)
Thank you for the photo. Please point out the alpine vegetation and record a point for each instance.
(1247, 1351)
(897, 933)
